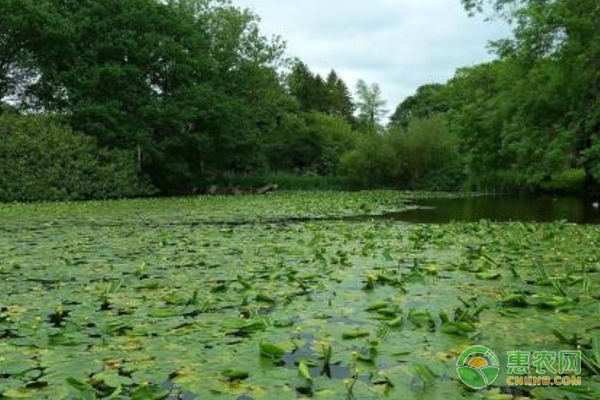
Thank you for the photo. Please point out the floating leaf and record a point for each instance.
(271, 351)
(235, 375)
(354, 334)
(489, 276)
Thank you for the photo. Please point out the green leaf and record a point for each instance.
(149, 392)
(271, 351)
(355, 334)
(489, 276)
(235, 375)
(304, 371)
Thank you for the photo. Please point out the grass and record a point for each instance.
(256, 297)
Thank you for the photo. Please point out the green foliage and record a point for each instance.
(313, 144)
(333, 136)
(88, 312)
(525, 122)
(370, 105)
(307, 88)
(425, 148)
(592, 159)
(339, 99)
(194, 90)
(423, 156)
(41, 159)
(191, 85)
(529, 121)
(314, 94)
(570, 181)
(372, 164)
(429, 100)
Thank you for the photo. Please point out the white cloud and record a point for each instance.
(400, 44)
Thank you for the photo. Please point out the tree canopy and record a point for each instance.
(370, 104)
(190, 90)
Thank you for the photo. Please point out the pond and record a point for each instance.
(291, 296)
(502, 209)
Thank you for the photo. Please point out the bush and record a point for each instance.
(372, 164)
(425, 156)
(313, 144)
(427, 149)
(42, 160)
(569, 181)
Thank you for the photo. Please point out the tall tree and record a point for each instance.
(549, 83)
(307, 87)
(339, 98)
(370, 104)
(190, 84)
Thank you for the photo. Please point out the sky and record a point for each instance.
(399, 44)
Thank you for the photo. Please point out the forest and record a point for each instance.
(120, 99)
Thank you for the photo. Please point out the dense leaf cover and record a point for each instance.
(224, 298)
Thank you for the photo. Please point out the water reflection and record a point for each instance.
(503, 209)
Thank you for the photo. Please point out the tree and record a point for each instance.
(189, 85)
(371, 106)
(308, 88)
(313, 144)
(427, 154)
(313, 93)
(339, 99)
(372, 163)
(428, 101)
(424, 156)
(548, 90)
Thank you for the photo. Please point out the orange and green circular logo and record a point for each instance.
(478, 367)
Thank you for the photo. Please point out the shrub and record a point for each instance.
(313, 144)
(425, 156)
(569, 181)
(43, 160)
(372, 164)
(427, 149)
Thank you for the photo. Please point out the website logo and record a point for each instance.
(478, 367)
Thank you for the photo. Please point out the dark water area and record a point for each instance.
(503, 209)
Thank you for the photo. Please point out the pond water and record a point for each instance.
(502, 209)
